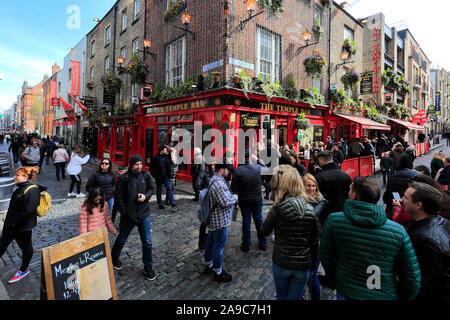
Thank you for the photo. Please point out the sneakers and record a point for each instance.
(117, 265)
(81, 195)
(161, 206)
(19, 276)
(208, 270)
(223, 277)
(148, 272)
(71, 194)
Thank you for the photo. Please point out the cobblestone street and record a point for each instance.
(176, 258)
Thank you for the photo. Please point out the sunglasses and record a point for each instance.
(98, 201)
(106, 163)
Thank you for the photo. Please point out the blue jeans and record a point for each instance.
(110, 205)
(314, 283)
(215, 243)
(146, 240)
(267, 185)
(168, 185)
(290, 284)
(250, 210)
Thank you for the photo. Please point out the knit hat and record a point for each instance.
(398, 144)
(135, 158)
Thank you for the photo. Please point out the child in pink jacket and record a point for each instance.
(95, 213)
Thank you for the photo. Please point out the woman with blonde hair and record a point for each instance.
(21, 218)
(296, 230)
(318, 201)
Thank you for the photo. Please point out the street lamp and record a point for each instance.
(344, 56)
(96, 19)
(186, 21)
(250, 5)
(147, 45)
(307, 37)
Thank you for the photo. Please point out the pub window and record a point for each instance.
(124, 19)
(161, 119)
(186, 117)
(318, 134)
(175, 62)
(268, 57)
(349, 33)
(107, 35)
(119, 145)
(135, 45)
(173, 118)
(136, 9)
(92, 48)
(107, 62)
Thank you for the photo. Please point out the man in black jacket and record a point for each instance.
(246, 184)
(430, 234)
(160, 169)
(135, 189)
(334, 184)
(398, 182)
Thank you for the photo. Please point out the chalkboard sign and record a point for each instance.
(79, 269)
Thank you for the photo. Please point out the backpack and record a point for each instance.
(44, 203)
(203, 207)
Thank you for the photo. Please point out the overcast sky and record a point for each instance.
(428, 21)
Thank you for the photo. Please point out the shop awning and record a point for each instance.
(407, 124)
(366, 123)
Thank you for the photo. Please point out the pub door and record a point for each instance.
(282, 129)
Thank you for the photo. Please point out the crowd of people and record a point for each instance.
(319, 216)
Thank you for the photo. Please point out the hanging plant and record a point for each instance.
(311, 96)
(244, 82)
(174, 11)
(291, 91)
(350, 80)
(301, 122)
(349, 46)
(339, 97)
(111, 83)
(315, 65)
(390, 79)
(138, 70)
(318, 29)
(212, 80)
(276, 6)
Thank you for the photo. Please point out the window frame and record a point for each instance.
(171, 80)
(276, 44)
(352, 38)
(124, 24)
(107, 59)
(92, 47)
(107, 32)
(134, 48)
(136, 14)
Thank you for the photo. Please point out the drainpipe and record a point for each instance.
(329, 51)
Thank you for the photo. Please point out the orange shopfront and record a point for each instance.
(226, 110)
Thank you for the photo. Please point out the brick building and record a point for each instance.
(49, 91)
(440, 78)
(31, 106)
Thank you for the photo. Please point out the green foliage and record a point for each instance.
(349, 46)
(311, 96)
(167, 93)
(138, 70)
(186, 88)
(301, 122)
(350, 80)
(156, 93)
(111, 82)
(315, 65)
(276, 6)
(210, 80)
(318, 29)
(174, 11)
(245, 82)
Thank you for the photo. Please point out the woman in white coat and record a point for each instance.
(74, 169)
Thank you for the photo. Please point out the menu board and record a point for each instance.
(366, 83)
(79, 269)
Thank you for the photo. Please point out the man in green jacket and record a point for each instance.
(365, 255)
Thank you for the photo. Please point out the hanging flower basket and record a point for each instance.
(350, 47)
(350, 80)
(301, 122)
(138, 70)
(111, 83)
(174, 11)
(90, 84)
(315, 65)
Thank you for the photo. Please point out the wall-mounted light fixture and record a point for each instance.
(186, 21)
(307, 36)
(344, 57)
(251, 5)
(147, 45)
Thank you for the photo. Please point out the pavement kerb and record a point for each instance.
(3, 293)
